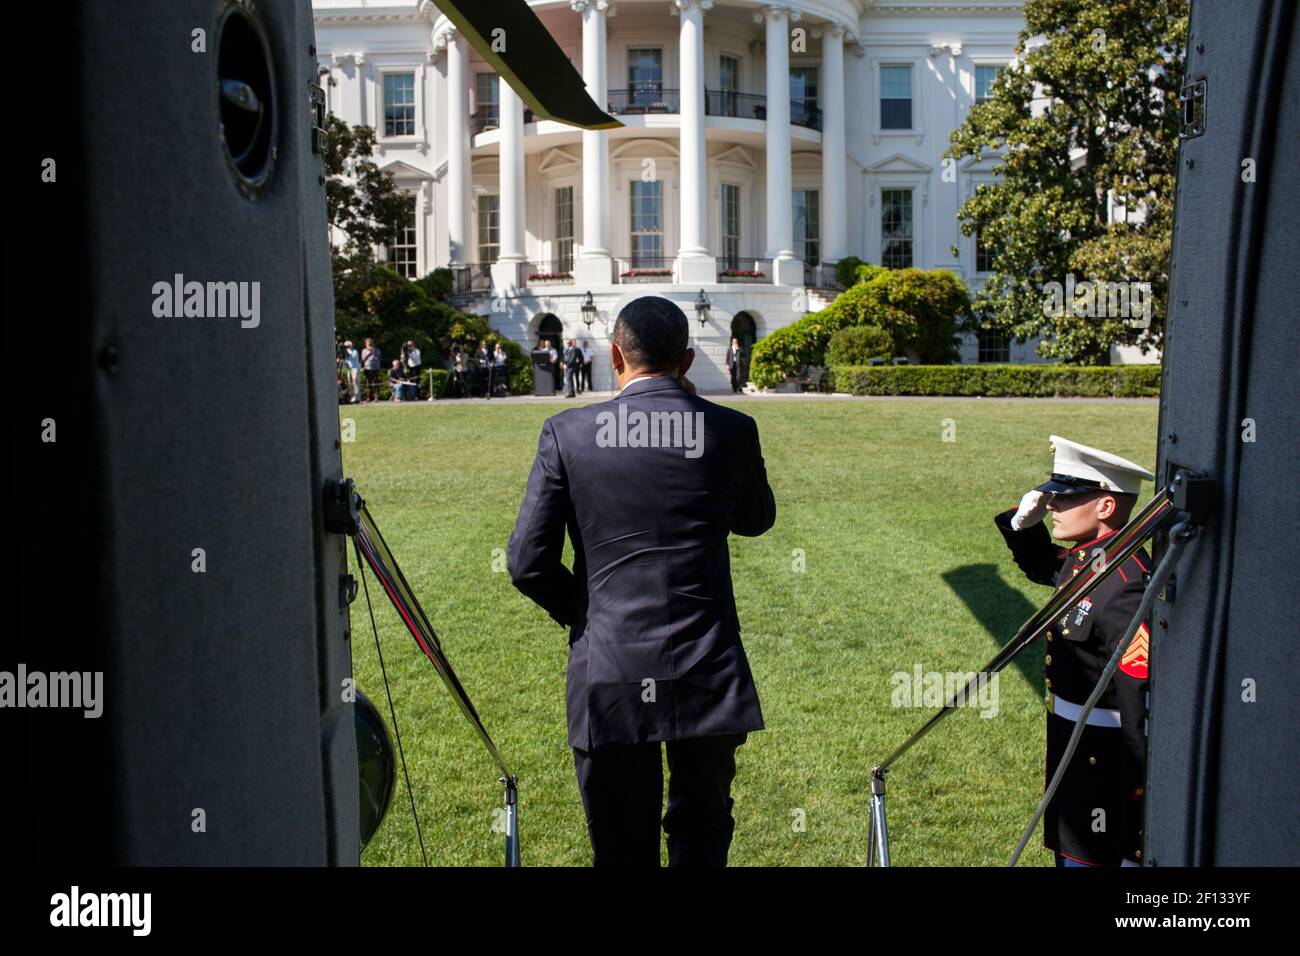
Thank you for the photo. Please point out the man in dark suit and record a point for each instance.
(572, 368)
(648, 485)
(733, 365)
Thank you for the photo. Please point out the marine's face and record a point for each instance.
(1077, 517)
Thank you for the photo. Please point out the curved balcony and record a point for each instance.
(661, 99)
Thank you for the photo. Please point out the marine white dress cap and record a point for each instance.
(1077, 469)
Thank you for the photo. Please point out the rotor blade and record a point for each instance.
(509, 36)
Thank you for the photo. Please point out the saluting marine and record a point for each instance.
(1095, 818)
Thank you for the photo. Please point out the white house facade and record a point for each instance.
(760, 144)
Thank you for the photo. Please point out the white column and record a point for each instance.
(594, 266)
(506, 270)
(834, 198)
(458, 245)
(694, 264)
(786, 270)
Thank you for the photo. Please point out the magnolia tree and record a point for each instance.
(1084, 126)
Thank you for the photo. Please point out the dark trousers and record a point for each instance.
(586, 374)
(622, 791)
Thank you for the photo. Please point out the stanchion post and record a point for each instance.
(512, 820)
(877, 835)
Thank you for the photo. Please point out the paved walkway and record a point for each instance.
(589, 397)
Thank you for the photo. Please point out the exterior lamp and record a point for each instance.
(702, 306)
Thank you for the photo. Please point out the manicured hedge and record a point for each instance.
(1000, 381)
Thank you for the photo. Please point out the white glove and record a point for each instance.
(1033, 507)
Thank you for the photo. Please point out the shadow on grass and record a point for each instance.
(1000, 610)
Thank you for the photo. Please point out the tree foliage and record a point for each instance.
(1090, 107)
(917, 311)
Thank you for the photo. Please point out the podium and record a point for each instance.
(543, 375)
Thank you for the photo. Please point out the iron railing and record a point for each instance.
(644, 269)
(648, 98)
(744, 269)
(731, 103)
(805, 113)
(821, 275)
(471, 277)
(488, 117)
(549, 270)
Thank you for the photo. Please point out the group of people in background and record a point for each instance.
(356, 369)
(575, 365)
(476, 370)
(473, 369)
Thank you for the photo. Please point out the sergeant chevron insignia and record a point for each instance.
(1134, 661)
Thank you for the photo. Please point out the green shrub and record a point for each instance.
(437, 284)
(1000, 381)
(918, 310)
(858, 344)
(846, 271)
(865, 273)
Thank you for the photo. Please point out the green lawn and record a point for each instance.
(903, 567)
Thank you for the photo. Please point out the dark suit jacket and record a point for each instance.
(654, 639)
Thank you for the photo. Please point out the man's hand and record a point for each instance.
(1033, 507)
(687, 384)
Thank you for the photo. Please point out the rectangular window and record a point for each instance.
(645, 76)
(486, 100)
(729, 85)
(993, 347)
(803, 94)
(647, 224)
(729, 73)
(402, 252)
(983, 254)
(895, 97)
(489, 228)
(984, 77)
(399, 104)
(896, 228)
(730, 226)
(564, 229)
(807, 225)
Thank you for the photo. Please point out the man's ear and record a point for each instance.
(687, 359)
(616, 356)
(1106, 506)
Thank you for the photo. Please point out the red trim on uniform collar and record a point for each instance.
(1082, 547)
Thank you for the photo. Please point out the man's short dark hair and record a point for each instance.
(652, 333)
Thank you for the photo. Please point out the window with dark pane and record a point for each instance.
(984, 77)
(896, 97)
(896, 228)
(647, 224)
(399, 104)
(807, 225)
(489, 228)
(993, 347)
(730, 226)
(402, 252)
(564, 229)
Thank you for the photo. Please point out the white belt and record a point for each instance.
(1100, 716)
